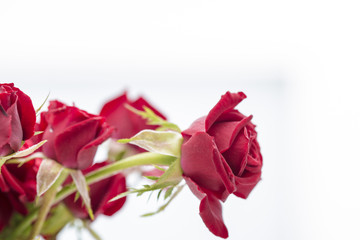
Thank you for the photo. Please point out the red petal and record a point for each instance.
(3, 185)
(16, 129)
(6, 211)
(69, 143)
(236, 155)
(111, 106)
(17, 204)
(210, 210)
(12, 182)
(89, 150)
(27, 114)
(202, 162)
(226, 132)
(197, 126)
(227, 102)
(5, 130)
(246, 183)
(118, 185)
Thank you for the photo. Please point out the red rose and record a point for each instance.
(126, 122)
(73, 135)
(101, 193)
(17, 187)
(220, 156)
(17, 118)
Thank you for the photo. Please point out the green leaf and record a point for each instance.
(154, 178)
(162, 208)
(38, 133)
(170, 178)
(57, 219)
(23, 153)
(82, 187)
(159, 168)
(168, 192)
(38, 110)
(49, 171)
(162, 142)
(158, 196)
(153, 119)
(22, 161)
(77, 195)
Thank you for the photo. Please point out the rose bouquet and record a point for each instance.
(49, 178)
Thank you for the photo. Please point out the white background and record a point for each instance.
(298, 62)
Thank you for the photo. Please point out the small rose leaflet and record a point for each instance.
(100, 194)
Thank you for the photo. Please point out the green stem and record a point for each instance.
(116, 167)
(91, 231)
(101, 173)
(25, 223)
(48, 200)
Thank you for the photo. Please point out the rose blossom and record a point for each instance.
(101, 193)
(126, 122)
(73, 135)
(17, 118)
(220, 156)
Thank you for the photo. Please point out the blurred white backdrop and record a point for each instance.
(297, 61)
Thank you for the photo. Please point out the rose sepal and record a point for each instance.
(19, 155)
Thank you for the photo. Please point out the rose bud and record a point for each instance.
(126, 122)
(72, 135)
(17, 118)
(17, 187)
(101, 193)
(220, 156)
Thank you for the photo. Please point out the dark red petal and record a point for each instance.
(5, 130)
(236, 156)
(118, 185)
(6, 211)
(226, 132)
(61, 116)
(68, 144)
(201, 161)
(3, 185)
(17, 204)
(6, 99)
(27, 114)
(210, 210)
(111, 106)
(16, 129)
(246, 183)
(89, 150)
(227, 102)
(119, 117)
(231, 115)
(197, 126)
(100, 194)
(12, 182)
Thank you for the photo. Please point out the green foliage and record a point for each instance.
(39, 109)
(19, 155)
(162, 142)
(83, 190)
(163, 207)
(153, 119)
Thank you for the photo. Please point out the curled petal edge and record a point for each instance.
(210, 210)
